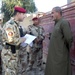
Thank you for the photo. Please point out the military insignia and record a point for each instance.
(10, 34)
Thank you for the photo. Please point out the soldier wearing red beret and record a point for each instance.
(35, 18)
(11, 42)
(19, 9)
(36, 51)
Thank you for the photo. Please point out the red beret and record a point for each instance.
(19, 9)
(35, 18)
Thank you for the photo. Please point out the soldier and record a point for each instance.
(36, 49)
(11, 42)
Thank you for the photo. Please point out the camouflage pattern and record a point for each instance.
(36, 51)
(9, 62)
(10, 35)
(11, 32)
(22, 62)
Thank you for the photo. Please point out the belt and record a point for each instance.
(12, 47)
(8, 46)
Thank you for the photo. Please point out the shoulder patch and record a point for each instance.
(9, 31)
(10, 34)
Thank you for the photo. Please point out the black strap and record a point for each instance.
(13, 47)
(21, 31)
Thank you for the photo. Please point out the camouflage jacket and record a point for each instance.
(37, 31)
(10, 32)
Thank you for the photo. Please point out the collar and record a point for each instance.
(12, 18)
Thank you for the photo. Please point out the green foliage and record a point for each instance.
(8, 5)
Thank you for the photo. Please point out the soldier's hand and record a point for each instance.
(48, 35)
(23, 40)
(36, 40)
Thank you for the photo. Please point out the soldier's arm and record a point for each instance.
(42, 35)
(17, 38)
(11, 34)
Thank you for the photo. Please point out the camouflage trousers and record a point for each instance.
(22, 62)
(35, 56)
(9, 62)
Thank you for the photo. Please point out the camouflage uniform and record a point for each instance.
(11, 41)
(22, 61)
(22, 55)
(36, 51)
